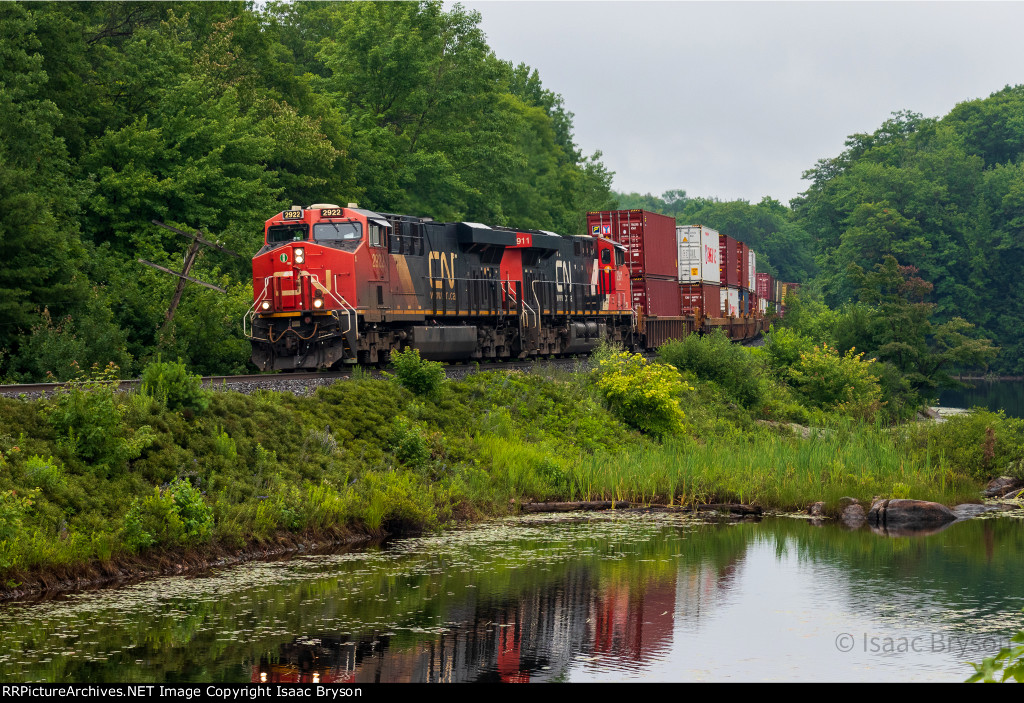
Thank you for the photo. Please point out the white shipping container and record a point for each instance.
(734, 302)
(724, 307)
(752, 280)
(698, 254)
(763, 305)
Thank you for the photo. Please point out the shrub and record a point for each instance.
(224, 446)
(837, 383)
(644, 396)
(783, 348)
(14, 508)
(408, 443)
(420, 376)
(981, 444)
(45, 473)
(89, 420)
(172, 384)
(714, 357)
(176, 515)
(1007, 665)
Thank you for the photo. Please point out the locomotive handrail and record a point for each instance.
(507, 288)
(526, 306)
(247, 318)
(350, 312)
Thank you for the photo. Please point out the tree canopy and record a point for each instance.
(944, 196)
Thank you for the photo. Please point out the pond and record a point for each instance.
(596, 597)
(1007, 396)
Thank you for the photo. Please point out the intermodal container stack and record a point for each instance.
(728, 265)
(712, 276)
(649, 238)
(699, 273)
(651, 255)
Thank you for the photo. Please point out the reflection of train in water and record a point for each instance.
(538, 636)
(347, 285)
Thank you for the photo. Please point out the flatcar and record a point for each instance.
(345, 285)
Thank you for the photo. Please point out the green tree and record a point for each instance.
(39, 243)
(900, 330)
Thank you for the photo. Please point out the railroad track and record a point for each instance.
(310, 380)
(294, 380)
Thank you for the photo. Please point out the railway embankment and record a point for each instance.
(97, 484)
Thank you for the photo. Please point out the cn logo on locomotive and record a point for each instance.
(447, 268)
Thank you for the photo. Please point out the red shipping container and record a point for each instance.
(701, 299)
(649, 238)
(729, 267)
(743, 252)
(656, 297)
(764, 285)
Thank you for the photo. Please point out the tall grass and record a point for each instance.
(774, 471)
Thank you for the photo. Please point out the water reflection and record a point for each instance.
(609, 598)
(532, 637)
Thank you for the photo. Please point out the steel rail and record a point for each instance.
(278, 377)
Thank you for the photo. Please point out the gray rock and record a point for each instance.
(999, 487)
(909, 514)
(968, 510)
(853, 516)
(817, 509)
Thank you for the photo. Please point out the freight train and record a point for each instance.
(346, 285)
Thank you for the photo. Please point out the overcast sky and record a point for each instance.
(737, 99)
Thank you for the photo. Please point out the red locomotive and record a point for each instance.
(348, 285)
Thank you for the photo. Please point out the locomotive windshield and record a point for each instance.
(338, 231)
(287, 233)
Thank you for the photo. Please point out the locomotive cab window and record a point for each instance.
(620, 257)
(378, 234)
(338, 232)
(606, 257)
(279, 234)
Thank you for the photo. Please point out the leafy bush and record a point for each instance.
(714, 357)
(421, 376)
(982, 444)
(14, 508)
(176, 515)
(408, 443)
(89, 419)
(783, 348)
(1007, 665)
(172, 384)
(644, 396)
(224, 446)
(45, 473)
(841, 383)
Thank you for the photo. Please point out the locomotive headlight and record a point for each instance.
(318, 303)
(265, 305)
(300, 255)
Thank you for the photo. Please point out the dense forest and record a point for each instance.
(213, 116)
(943, 197)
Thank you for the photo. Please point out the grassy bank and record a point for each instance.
(93, 476)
